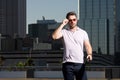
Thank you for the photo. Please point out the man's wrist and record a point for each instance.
(90, 54)
(63, 24)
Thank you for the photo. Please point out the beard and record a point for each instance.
(72, 26)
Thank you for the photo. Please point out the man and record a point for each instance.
(74, 40)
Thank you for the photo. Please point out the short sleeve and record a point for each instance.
(86, 36)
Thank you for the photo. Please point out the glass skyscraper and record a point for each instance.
(13, 18)
(100, 18)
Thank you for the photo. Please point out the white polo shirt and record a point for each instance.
(73, 45)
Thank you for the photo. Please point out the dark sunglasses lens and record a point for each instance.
(72, 20)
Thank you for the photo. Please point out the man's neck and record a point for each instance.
(73, 28)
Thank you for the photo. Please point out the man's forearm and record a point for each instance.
(57, 33)
(89, 50)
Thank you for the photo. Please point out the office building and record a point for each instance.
(100, 18)
(13, 18)
(38, 31)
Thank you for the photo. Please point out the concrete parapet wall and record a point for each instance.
(46, 74)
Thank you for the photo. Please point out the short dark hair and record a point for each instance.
(70, 13)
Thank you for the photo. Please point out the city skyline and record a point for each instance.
(96, 17)
(53, 9)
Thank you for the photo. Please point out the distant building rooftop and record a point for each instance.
(44, 21)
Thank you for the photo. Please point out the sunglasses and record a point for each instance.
(70, 20)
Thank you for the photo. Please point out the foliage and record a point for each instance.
(1, 60)
(21, 65)
(29, 62)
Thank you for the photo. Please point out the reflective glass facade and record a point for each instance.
(98, 18)
(13, 18)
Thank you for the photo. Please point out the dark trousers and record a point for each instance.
(74, 70)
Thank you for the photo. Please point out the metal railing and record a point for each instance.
(57, 68)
